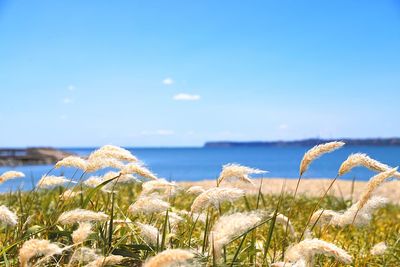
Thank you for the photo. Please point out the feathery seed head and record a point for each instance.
(52, 181)
(7, 217)
(72, 161)
(169, 257)
(80, 216)
(37, 247)
(69, 193)
(134, 168)
(236, 171)
(195, 190)
(110, 260)
(82, 233)
(214, 197)
(115, 152)
(98, 163)
(316, 152)
(10, 175)
(378, 249)
(148, 205)
(149, 233)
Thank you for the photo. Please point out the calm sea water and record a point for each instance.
(193, 164)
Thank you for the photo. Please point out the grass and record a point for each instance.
(38, 212)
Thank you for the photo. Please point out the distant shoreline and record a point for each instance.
(395, 141)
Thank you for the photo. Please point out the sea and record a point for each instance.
(201, 163)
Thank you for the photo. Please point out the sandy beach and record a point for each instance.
(313, 187)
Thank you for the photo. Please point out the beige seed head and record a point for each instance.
(82, 255)
(10, 175)
(148, 205)
(37, 247)
(82, 233)
(52, 181)
(106, 261)
(134, 168)
(93, 181)
(316, 152)
(230, 226)
(283, 220)
(98, 163)
(157, 185)
(195, 190)
(378, 249)
(307, 249)
(7, 217)
(72, 161)
(80, 216)
(115, 152)
(359, 159)
(149, 233)
(169, 257)
(236, 171)
(214, 197)
(69, 193)
(374, 183)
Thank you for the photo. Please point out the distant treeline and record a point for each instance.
(307, 142)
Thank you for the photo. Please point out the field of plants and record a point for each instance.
(131, 217)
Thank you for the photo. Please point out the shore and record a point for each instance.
(313, 187)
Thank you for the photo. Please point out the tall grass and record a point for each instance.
(220, 230)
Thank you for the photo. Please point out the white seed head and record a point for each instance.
(236, 171)
(93, 181)
(80, 216)
(72, 161)
(359, 159)
(230, 226)
(148, 205)
(106, 261)
(169, 258)
(36, 247)
(214, 197)
(69, 193)
(378, 249)
(98, 163)
(7, 217)
(195, 190)
(10, 175)
(82, 233)
(115, 152)
(134, 168)
(307, 249)
(316, 152)
(149, 233)
(52, 181)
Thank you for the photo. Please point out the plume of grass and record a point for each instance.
(169, 257)
(98, 163)
(230, 226)
(10, 175)
(360, 159)
(214, 197)
(111, 260)
(82, 255)
(149, 233)
(148, 205)
(37, 247)
(307, 249)
(378, 249)
(81, 216)
(82, 233)
(7, 217)
(93, 181)
(115, 152)
(316, 152)
(195, 190)
(72, 161)
(373, 183)
(134, 168)
(285, 222)
(236, 171)
(52, 181)
(69, 193)
(157, 185)
(353, 215)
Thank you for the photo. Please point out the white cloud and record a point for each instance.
(71, 87)
(161, 132)
(283, 126)
(168, 81)
(186, 97)
(67, 100)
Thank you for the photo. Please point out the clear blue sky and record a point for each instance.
(179, 73)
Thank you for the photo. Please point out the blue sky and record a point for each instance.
(179, 73)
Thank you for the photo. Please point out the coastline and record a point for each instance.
(314, 187)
